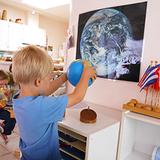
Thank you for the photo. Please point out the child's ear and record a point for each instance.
(37, 82)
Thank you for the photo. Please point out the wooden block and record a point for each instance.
(143, 110)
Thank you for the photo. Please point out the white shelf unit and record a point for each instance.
(3, 36)
(139, 135)
(90, 141)
(14, 35)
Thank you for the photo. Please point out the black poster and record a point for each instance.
(112, 40)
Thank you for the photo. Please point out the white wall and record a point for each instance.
(115, 93)
(32, 19)
(56, 31)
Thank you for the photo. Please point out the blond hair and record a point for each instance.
(30, 63)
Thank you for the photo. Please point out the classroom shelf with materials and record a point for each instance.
(81, 141)
(139, 135)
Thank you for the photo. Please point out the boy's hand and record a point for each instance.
(89, 71)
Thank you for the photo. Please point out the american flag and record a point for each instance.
(144, 76)
(151, 77)
(157, 83)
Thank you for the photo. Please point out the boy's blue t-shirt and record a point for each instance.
(37, 119)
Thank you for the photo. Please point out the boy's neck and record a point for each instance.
(28, 90)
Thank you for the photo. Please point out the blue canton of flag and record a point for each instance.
(151, 77)
(144, 76)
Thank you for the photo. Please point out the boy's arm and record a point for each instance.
(55, 84)
(80, 90)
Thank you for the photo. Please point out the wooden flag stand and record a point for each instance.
(150, 82)
(141, 108)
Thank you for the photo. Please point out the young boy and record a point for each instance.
(36, 112)
(7, 126)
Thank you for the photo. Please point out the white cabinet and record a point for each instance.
(96, 141)
(34, 35)
(138, 136)
(14, 35)
(3, 35)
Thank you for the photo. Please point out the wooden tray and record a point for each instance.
(142, 111)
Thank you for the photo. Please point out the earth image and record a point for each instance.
(107, 42)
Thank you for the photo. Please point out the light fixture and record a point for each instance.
(33, 12)
(45, 4)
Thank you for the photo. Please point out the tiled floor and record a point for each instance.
(7, 151)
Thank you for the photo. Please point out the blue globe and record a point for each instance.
(75, 71)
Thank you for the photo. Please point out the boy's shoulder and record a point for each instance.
(53, 100)
(40, 100)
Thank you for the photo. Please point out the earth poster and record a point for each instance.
(112, 40)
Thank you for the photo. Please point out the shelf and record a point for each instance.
(106, 118)
(138, 156)
(74, 135)
(8, 51)
(58, 65)
(65, 156)
(143, 118)
(59, 71)
(5, 62)
(70, 145)
(58, 60)
(81, 141)
(70, 155)
(77, 144)
(138, 136)
(71, 151)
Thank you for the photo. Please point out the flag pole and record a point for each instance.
(157, 99)
(146, 96)
(157, 91)
(153, 90)
(158, 103)
(152, 94)
(148, 88)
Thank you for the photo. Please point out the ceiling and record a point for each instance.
(60, 13)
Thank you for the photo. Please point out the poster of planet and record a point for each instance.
(112, 40)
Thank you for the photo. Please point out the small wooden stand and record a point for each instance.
(142, 109)
(88, 116)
